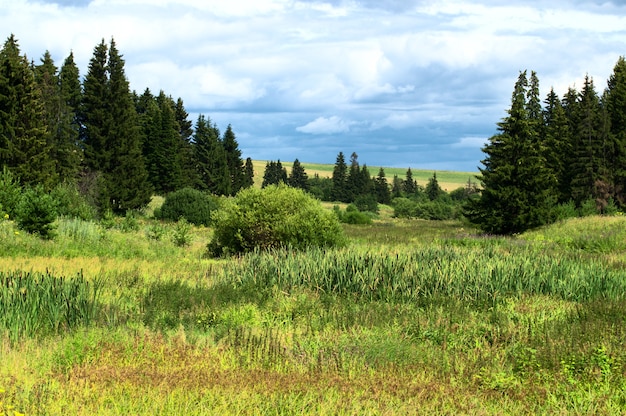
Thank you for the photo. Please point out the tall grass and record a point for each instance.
(474, 275)
(34, 304)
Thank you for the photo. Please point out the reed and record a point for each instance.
(40, 304)
(474, 275)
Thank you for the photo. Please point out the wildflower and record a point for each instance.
(17, 233)
(6, 216)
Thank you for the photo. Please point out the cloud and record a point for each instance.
(401, 82)
(324, 125)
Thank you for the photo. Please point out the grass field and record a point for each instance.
(448, 180)
(412, 317)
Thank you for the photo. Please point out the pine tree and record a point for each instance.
(409, 185)
(95, 118)
(353, 182)
(587, 165)
(211, 158)
(433, 190)
(23, 131)
(274, 174)
(557, 145)
(71, 96)
(187, 157)
(233, 160)
(516, 189)
(615, 103)
(248, 177)
(381, 188)
(339, 178)
(298, 177)
(128, 187)
(111, 133)
(397, 187)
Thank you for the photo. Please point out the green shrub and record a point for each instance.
(70, 203)
(352, 215)
(10, 192)
(193, 205)
(366, 203)
(275, 216)
(181, 236)
(130, 222)
(36, 212)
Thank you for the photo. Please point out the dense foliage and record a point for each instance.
(275, 216)
(191, 204)
(117, 147)
(571, 150)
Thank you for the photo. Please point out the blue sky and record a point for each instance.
(403, 83)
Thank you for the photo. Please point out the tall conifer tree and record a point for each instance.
(615, 102)
(339, 178)
(298, 177)
(210, 158)
(111, 133)
(24, 148)
(233, 160)
(516, 194)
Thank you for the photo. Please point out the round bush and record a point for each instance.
(192, 205)
(273, 217)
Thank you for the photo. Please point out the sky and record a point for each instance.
(402, 83)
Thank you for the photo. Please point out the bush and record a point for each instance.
(70, 203)
(193, 205)
(36, 212)
(352, 215)
(366, 203)
(10, 192)
(276, 216)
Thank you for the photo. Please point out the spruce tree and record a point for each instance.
(24, 148)
(187, 157)
(397, 187)
(587, 165)
(210, 158)
(615, 102)
(409, 185)
(339, 178)
(233, 160)
(354, 180)
(557, 145)
(128, 187)
(433, 190)
(248, 177)
(111, 133)
(515, 181)
(71, 95)
(381, 188)
(298, 177)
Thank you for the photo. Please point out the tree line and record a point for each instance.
(549, 160)
(118, 147)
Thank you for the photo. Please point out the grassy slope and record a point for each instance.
(174, 340)
(448, 180)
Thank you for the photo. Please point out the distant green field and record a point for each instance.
(448, 180)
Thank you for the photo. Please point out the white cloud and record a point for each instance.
(326, 125)
(470, 142)
(375, 66)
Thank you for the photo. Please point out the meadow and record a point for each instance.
(412, 317)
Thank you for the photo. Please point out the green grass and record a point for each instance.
(412, 317)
